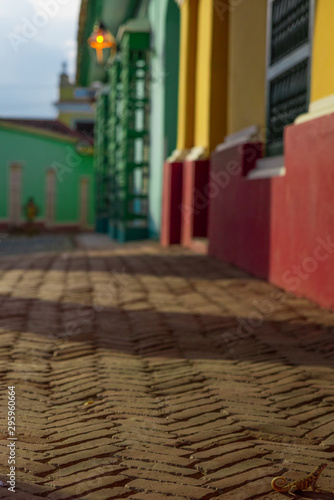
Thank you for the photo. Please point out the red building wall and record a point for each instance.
(171, 220)
(195, 204)
(282, 228)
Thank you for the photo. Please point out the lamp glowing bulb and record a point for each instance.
(102, 39)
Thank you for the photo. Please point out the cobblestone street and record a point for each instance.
(145, 373)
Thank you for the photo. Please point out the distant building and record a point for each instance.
(76, 105)
(50, 161)
(45, 161)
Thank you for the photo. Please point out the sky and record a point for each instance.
(36, 37)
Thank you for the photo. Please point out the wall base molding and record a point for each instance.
(268, 167)
(249, 134)
(317, 109)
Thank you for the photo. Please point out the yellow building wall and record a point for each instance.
(247, 65)
(322, 80)
(222, 87)
(211, 75)
(203, 73)
(67, 93)
(67, 118)
(188, 45)
(222, 71)
(219, 77)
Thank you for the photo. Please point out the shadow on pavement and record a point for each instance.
(185, 266)
(321, 495)
(160, 333)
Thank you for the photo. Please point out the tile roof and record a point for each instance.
(47, 125)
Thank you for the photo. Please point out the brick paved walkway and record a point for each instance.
(143, 373)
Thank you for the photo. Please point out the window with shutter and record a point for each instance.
(290, 27)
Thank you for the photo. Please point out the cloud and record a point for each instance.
(30, 81)
(67, 8)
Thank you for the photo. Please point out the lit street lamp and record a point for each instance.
(102, 39)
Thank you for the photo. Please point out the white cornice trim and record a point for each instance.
(197, 153)
(249, 134)
(317, 109)
(178, 155)
(266, 173)
(74, 108)
(268, 167)
(270, 162)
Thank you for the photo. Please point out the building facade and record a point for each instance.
(237, 98)
(44, 161)
(252, 181)
(136, 125)
(76, 105)
(164, 18)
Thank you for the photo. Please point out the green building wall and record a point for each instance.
(164, 17)
(113, 13)
(38, 154)
(164, 20)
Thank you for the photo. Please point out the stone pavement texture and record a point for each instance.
(144, 373)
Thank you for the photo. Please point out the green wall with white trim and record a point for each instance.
(164, 17)
(38, 154)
